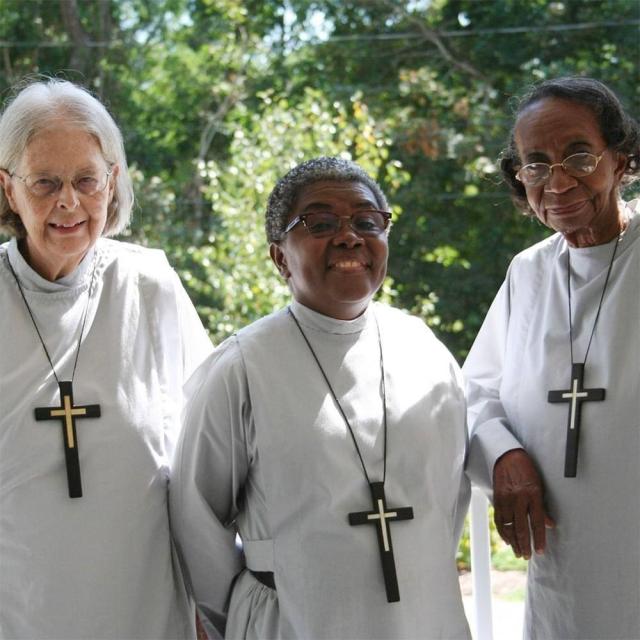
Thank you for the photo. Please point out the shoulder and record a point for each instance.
(218, 370)
(537, 256)
(400, 320)
(264, 328)
(407, 329)
(134, 259)
(126, 265)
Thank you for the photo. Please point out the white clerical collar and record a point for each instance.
(314, 320)
(33, 281)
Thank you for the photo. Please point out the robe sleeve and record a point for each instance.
(210, 469)
(181, 342)
(490, 433)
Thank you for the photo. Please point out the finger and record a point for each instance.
(505, 528)
(537, 518)
(522, 535)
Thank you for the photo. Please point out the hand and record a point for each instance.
(518, 505)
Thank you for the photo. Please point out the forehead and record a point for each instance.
(331, 193)
(553, 125)
(61, 148)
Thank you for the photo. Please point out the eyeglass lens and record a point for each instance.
(576, 165)
(366, 223)
(46, 185)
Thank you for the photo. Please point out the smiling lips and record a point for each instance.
(558, 210)
(66, 227)
(348, 265)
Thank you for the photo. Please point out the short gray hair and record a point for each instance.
(34, 108)
(287, 189)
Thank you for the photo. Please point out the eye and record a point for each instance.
(318, 223)
(42, 185)
(535, 168)
(86, 183)
(369, 222)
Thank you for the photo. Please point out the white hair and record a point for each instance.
(40, 106)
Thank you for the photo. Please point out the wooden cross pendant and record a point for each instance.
(575, 397)
(379, 516)
(67, 414)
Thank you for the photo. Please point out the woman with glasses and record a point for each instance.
(554, 374)
(330, 436)
(96, 338)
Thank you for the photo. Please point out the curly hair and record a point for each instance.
(42, 104)
(620, 131)
(284, 194)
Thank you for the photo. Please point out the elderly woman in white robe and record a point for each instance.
(554, 374)
(96, 339)
(330, 436)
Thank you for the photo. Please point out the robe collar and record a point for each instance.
(33, 281)
(316, 321)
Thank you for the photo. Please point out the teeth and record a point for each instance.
(347, 264)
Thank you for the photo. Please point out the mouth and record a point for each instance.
(66, 227)
(348, 266)
(567, 209)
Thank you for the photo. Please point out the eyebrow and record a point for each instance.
(362, 204)
(568, 150)
(79, 171)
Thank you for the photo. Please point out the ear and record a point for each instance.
(115, 170)
(7, 187)
(621, 161)
(279, 259)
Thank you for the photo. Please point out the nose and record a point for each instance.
(67, 196)
(559, 181)
(346, 236)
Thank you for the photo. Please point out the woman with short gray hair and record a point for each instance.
(330, 436)
(96, 338)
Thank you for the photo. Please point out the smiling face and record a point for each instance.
(61, 227)
(585, 210)
(335, 276)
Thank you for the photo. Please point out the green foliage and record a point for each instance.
(218, 98)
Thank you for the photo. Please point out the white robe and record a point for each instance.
(99, 566)
(587, 583)
(266, 453)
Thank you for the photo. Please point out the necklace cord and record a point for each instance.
(339, 406)
(35, 325)
(604, 289)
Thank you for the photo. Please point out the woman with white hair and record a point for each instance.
(96, 338)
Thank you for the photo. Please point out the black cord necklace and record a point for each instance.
(577, 394)
(67, 412)
(381, 514)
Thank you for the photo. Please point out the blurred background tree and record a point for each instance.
(218, 98)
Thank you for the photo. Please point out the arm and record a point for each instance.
(497, 461)
(210, 467)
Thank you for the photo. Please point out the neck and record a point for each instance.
(594, 236)
(48, 267)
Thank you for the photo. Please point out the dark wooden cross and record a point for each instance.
(379, 516)
(67, 414)
(575, 397)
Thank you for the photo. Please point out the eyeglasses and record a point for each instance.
(42, 185)
(576, 165)
(324, 224)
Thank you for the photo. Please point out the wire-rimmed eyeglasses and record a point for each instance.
(324, 224)
(577, 165)
(42, 185)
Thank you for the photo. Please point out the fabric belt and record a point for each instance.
(265, 577)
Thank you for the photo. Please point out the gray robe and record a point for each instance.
(266, 453)
(587, 583)
(100, 566)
